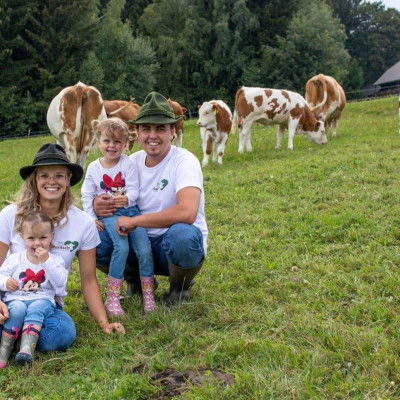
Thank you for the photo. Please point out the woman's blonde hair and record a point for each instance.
(27, 201)
(113, 128)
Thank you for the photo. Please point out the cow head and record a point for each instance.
(317, 134)
(207, 113)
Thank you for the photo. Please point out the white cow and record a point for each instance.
(275, 107)
(215, 121)
(326, 98)
(70, 116)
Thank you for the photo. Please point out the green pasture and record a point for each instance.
(299, 296)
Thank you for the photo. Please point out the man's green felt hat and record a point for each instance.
(155, 110)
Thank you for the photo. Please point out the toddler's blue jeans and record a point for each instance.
(136, 240)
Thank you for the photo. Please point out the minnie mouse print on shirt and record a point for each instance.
(115, 186)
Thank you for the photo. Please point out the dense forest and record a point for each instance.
(189, 50)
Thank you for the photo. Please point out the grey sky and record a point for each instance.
(390, 3)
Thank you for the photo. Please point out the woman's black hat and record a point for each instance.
(53, 154)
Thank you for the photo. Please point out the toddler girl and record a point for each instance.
(31, 278)
(115, 174)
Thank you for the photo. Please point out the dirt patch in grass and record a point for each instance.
(174, 382)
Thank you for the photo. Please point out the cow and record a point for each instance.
(178, 111)
(126, 110)
(274, 107)
(70, 117)
(215, 122)
(326, 98)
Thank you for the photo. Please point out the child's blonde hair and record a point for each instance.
(114, 128)
(36, 217)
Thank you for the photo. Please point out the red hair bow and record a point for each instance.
(118, 181)
(31, 276)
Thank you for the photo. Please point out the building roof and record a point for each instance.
(391, 75)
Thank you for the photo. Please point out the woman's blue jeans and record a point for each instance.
(58, 331)
(136, 240)
(181, 244)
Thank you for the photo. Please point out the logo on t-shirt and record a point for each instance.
(30, 281)
(161, 185)
(67, 245)
(114, 186)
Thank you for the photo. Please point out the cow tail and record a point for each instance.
(83, 119)
(324, 99)
(235, 120)
(234, 127)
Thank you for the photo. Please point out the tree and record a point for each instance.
(164, 22)
(347, 12)
(132, 12)
(314, 44)
(273, 18)
(128, 63)
(373, 36)
(16, 56)
(17, 66)
(202, 46)
(91, 71)
(44, 43)
(66, 33)
(375, 41)
(18, 112)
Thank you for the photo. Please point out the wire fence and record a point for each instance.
(25, 135)
(371, 93)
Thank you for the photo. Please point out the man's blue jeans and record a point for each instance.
(28, 312)
(136, 240)
(181, 244)
(58, 332)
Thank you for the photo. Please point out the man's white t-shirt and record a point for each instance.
(160, 184)
(78, 233)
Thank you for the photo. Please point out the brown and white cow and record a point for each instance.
(70, 117)
(326, 98)
(178, 111)
(275, 107)
(126, 110)
(215, 122)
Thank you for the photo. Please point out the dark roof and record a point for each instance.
(391, 75)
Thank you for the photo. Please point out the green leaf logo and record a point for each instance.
(161, 185)
(164, 183)
(72, 245)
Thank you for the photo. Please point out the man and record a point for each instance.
(171, 198)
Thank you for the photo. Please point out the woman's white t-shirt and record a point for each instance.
(79, 233)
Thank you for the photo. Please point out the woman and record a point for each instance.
(47, 187)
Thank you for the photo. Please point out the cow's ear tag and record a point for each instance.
(215, 111)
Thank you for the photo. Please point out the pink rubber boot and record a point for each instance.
(149, 303)
(112, 303)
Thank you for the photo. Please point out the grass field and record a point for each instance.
(299, 296)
